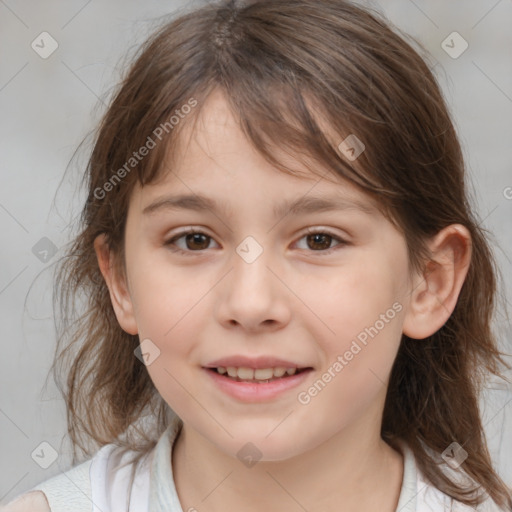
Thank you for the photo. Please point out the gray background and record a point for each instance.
(48, 105)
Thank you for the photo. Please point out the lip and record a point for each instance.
(257, 392)
(254, 362)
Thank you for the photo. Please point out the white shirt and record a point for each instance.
(103, 484)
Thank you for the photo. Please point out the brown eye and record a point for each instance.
(195, 241)
(319, 241)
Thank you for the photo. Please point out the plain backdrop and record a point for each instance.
(49, 104)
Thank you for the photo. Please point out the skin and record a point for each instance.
(295, 301)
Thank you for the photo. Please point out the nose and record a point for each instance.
(254, 297)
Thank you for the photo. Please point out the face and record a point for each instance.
(261, 285)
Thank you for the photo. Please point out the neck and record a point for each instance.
(335, 476)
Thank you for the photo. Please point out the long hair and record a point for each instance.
(294, 72)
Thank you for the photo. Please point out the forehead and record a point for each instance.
(213, 157)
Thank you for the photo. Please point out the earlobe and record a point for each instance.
(435, 292)
(118, 290)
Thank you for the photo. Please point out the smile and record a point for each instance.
(256, 385)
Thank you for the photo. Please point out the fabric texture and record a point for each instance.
(103, 484)
(70, 491)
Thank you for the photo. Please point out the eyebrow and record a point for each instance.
(302, 205)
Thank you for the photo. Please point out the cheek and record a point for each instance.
(169, 305)
(164, 297)
(353, 296)
(168, 312)
(362, 315)
(358, 360)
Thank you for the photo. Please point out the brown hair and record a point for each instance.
(283, 65)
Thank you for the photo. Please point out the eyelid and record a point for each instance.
(324, 231)
(184, 232)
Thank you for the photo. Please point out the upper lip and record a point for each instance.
(254, 362)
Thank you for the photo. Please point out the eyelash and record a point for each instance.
(172, 246)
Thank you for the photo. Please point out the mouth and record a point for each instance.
(257, 375)
(256, 379)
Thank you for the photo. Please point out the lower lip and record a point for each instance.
(254, 392)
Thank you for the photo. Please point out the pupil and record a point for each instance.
(323, 238)
(196, 238)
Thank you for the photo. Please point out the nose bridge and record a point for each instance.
(250, 266)
(252, 296)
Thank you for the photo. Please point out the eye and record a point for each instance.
(195, 241)
(320, 240)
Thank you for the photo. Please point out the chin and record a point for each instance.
(254, 446)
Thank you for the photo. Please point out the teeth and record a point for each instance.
(262, 374)
(231, 371)
(245, 373)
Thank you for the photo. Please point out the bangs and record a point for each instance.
(292, 91)
(310, 88)
(282, 123)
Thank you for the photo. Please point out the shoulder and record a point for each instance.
(69, 487)
(106, 479)
(34, 501)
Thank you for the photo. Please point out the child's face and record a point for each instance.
(305, 299)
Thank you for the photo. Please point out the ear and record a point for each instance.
(119, 293)
(435, 292)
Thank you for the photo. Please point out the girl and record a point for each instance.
(264, 368)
